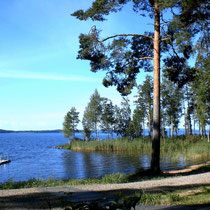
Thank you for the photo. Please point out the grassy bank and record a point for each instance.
(189, 196)
(192, 147)
(107, 179)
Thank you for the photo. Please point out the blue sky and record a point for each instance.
(40, 77)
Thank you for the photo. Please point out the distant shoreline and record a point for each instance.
(31, 131)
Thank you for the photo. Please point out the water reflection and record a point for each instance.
(145, 161)
(96, 164)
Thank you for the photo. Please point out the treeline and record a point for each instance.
(100, 114)
(190, 101)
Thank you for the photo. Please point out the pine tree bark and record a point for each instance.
(172, 129)
(199, 128)
(189, 121)
(185, 121)
(149, 119)
(155, 161)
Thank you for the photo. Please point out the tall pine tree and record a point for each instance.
(128, 53)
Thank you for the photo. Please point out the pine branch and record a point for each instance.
(143, 58)
(172, 11)
(110, 37)
(166, 38)
(172, 46)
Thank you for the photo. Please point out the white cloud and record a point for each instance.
(28, 75)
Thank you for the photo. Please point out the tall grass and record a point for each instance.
(191, 147)
(140, 144)
(123, 144)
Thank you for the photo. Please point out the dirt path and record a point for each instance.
(48, 197)
(198, 179)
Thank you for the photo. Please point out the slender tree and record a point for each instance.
(171, 103)
(138, 121)
(70, 123)
(200, 87)
(144, 99)
(107, 117)
(130, 130)
(122, 117)
(92, 115)
(87, 123)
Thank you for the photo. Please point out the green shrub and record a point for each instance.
(193, 139)
(174, 197)
(115, 178)
(147, 198)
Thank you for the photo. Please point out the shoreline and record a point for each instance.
(188, 169)
(142, 176)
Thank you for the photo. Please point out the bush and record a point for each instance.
(148, 198)
(193, 139)
(115, 178)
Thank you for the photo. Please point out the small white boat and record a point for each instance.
(4, 161)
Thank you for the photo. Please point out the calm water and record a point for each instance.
(32, 156)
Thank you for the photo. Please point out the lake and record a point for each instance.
(32, 156)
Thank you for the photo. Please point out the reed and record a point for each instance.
(185, 148)
(169, 145)
(190, 148)
(123, 144)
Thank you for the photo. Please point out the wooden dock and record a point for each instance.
(4, 161)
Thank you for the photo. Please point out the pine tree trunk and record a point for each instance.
(190, 124)
(149, 118)
(172, 129)
(163, 130)
(185, 123)
(202, 132)
(199, 128)
(108, 133)
(188, 115)
(96, 129)
(155, 161)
